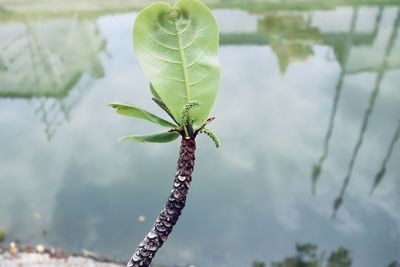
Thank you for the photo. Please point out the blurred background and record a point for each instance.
(308, 113)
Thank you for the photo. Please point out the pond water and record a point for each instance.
(308, 113)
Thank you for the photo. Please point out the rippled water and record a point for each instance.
(308, 112)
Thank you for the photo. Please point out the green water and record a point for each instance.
(308, 113)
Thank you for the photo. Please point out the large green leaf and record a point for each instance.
(156, 138)
(177, 48)
(132, 111)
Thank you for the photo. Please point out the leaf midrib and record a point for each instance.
(183, 59)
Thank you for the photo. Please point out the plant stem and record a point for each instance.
(172, 210)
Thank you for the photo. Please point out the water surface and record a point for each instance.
(308, 112)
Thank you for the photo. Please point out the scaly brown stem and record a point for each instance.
(173, 208)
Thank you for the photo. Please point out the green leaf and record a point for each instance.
(154, 92)
(156, 138)
(156, 98)
(132, 111)
(177, 48)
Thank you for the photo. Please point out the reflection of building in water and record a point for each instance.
(381, 173)
(96, 8)
(358, 52)
(50, 62)
(48, 59)
(258, 6)
(380, 71)
(290, 37)
(344, 55)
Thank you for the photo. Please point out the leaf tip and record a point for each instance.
(124, 138)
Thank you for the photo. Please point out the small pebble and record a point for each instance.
(13, 250)
(40, 248)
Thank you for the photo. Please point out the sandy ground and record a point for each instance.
(43, 260)
(41, 256)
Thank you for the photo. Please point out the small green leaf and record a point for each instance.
(164, 107)
(154, 92)
(132, 111)
(156, 98)
(156, 138)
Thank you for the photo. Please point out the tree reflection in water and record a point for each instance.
(307, 255)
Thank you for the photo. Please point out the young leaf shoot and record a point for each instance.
(177, 48)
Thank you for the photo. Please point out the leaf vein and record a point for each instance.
(165, 31)
(198, 58)
(184, 64)
(186, 28)
(162, 44)
(195, 37)
(200, 81)
(163, 59)
(167, 77)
